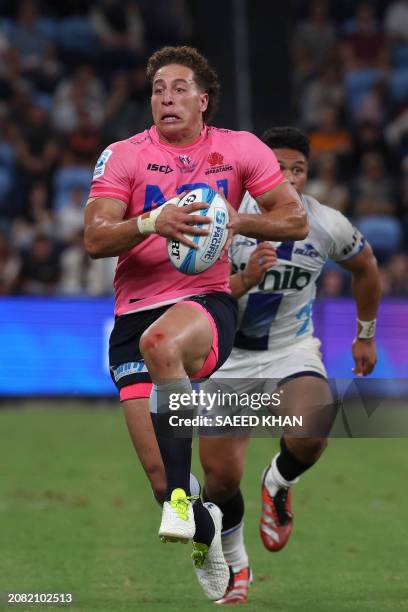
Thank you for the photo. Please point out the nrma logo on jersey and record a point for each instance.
(290, 277)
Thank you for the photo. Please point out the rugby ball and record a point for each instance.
(194, 261)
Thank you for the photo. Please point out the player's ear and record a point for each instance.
(203, 102)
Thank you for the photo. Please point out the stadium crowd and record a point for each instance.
(72, 80)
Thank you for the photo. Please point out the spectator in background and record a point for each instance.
(166, 21)
(83, 141)
(83, 92)
(329, 136)
(27, 37)
(38, 212)
(331, 283)
(324, 91)
(372, 182)
(9, 208)
(397, 130)
(40, 270)
(314, 41)
(127, 109)
(9, 266)
(81, 275)
(397, 272)
(120, 28)
(396, 21)
(369, 138)
(70, 218)
(36, 146)
(325, 187)
(365, 46)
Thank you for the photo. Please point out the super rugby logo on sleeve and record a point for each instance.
(101, 163)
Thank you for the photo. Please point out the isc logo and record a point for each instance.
(159, 168)
(290, 278)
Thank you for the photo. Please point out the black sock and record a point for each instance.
(205, 528)
(232, 509)
(175, 452)
(289, 466)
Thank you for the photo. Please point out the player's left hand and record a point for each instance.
(365, 356)
(232, 224)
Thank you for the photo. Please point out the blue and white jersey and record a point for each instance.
(278, 312)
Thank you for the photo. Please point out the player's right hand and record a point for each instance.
(174, 222)
(261, 259)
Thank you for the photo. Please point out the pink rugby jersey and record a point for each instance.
(144, 172)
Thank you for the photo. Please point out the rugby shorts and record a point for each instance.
(126, 364)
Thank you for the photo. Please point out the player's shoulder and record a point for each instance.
(322, 215)
(233, 136)
(140, 140)
(326, 221)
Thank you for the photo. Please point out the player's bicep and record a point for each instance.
(361, 262)
(99, 210)
(281, 195)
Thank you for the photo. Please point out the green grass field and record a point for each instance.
(76, 515)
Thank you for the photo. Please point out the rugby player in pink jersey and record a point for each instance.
(169, 327)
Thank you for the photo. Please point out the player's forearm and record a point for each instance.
(109, 239)
(286, 223)
(239, 284)
(366, 291)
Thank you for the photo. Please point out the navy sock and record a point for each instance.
(175, 452)
(205, 528)
(289, 466)
(233, 509)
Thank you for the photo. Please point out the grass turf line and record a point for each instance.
(76, 515)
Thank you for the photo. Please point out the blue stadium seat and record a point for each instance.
(357, 83)
(399, 55)
(66, 179)
(384, 234)
(399, 84)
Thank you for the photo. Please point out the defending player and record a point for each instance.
(275, 341)
(170, 327)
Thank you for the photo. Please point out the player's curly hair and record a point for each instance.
(205, 76)
(287, 137)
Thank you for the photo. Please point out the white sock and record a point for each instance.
(233, 547)
(274, 479)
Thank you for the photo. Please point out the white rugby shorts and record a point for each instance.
(304, 356)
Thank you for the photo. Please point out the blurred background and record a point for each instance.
(72, 81)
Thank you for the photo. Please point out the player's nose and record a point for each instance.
(167, 97)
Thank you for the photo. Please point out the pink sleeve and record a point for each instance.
(260, 168)
(111, 177)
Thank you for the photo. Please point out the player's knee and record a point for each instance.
(159, 351)
(307, 450)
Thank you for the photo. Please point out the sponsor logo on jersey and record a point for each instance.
(159, 168)
(307, 250)
(291, 277)
(132, 367)
(185, 163)
(101, 163)
(357, 237)
(216, 161)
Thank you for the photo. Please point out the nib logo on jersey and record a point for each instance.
(291, 277)
(216, 161)
(307, 250)
(185, 163)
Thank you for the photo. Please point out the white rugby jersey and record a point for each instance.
(278, 311)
